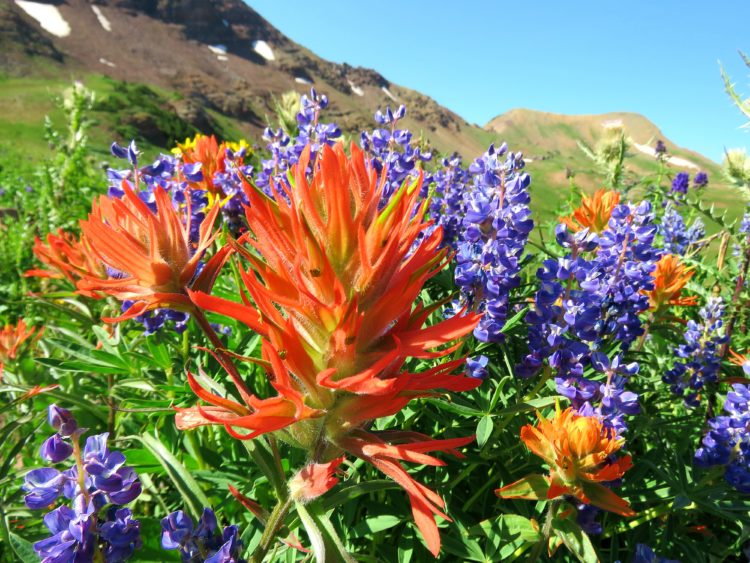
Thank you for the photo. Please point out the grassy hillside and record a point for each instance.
(550, 142)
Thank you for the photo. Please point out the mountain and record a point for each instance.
(164, 69)
(550, 142)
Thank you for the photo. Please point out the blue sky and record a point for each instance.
(482, 57)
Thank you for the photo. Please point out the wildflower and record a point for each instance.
(11, 339)
(67, 257)
(700, 180)
(580, 453)
(727, 443)
(492, 226)
(149, 250)
(678, 237)
(670, 278)
(660, 149)
(333, 282)
(681, 183)
(699, 356)
(96, 519)
(594, 212)
(203, 542)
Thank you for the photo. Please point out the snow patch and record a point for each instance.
(264, 50)
(356, 89)
(613, 124)
(106, 62)
(48, 16)
(101, 17)
(301, 80)
(675, 160)
(389, 94)
(222, 58)
(218, 49)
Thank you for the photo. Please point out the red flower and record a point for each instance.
(11, 339)
(67, 257)
(332, 289)
(151, 251)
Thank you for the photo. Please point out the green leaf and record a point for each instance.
(194, 497)
(484, 430)
(514, 320)
(374, 524)
(313, 532)
(531, 487)
(575, 539)
(511, 526)
(353, 491)
(23, 549)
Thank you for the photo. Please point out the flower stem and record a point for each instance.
(274, 524)
(546, 531)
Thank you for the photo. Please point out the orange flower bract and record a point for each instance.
(594, 212)
(332, 288)
(670, 278)
(67, 257)
(150, 250)
(11, 339)
(578, 450)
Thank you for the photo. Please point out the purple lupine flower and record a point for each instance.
(644, 554)
(477, 366)
(123, 534)
(489, 228)
(55, 449)
(72, 536)
(77, 530)
(660, 149)
(681, 183)
(108, 472)
(678, 239)
(727, 443)
(390, 150)
(700, 180)
(699, 355)
(203, 540)
(61, 420)
(43, 486)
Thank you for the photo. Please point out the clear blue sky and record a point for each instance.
(482, 57)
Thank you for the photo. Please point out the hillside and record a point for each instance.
(550, 141)
(165, 69)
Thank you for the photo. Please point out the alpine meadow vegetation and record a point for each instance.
(320, 348)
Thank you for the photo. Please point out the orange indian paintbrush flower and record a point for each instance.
(11, 339)
(578, 450)
(67, 257)
(594, 212)
(331, 288)
(670, 278)
(151, 250)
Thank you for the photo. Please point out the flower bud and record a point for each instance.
(62, 420)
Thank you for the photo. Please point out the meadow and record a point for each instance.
(311, 348)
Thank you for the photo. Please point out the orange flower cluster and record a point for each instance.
(11, 339)
(594, 212)
(67, 257)
(150, 250)
(670, 278)
(578, 450)
(331, 288)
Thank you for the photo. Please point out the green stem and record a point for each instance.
(274, 524)
(546, 531)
